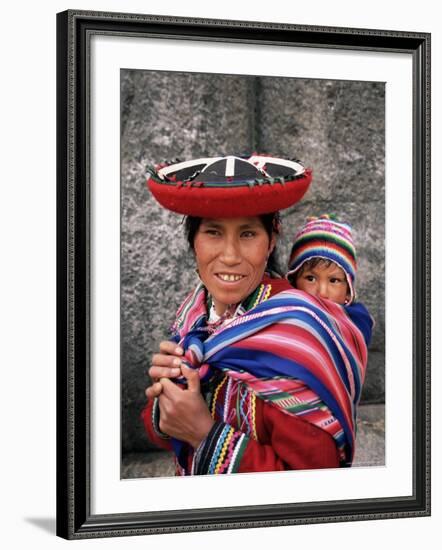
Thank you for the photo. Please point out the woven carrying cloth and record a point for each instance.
(302, 354)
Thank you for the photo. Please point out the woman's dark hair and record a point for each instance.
(271, 223)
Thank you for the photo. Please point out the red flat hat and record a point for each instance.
(229, 187)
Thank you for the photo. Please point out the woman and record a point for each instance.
(272, 374)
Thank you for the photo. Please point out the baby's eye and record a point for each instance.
(336, 280)
(310, 278)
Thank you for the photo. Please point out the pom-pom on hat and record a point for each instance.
(229, 187)
(325, 237)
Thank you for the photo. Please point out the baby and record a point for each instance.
(323, 260)
(323, 263)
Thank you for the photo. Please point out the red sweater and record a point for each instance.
(249, 435)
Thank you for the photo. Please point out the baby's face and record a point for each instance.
(324, 281)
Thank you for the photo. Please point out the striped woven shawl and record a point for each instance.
(302, 354)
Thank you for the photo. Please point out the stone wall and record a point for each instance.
(334, 127)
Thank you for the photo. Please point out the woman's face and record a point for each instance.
(231, 255)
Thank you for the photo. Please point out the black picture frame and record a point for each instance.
(74, 518)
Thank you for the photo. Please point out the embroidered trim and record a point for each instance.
(253, 415)
(207, 448)
(234, 463)
(230, 449)
(224, 448)
(227, 399)
(264, 294)
(215, 395)
(238, 454)
(246, 411)
(218, 448)
(220, 452)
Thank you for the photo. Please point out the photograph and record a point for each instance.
(323, 247)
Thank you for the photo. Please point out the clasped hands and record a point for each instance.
(184, 414)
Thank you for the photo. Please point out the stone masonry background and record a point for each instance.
(334, 127)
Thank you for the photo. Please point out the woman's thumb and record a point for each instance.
(192, 377)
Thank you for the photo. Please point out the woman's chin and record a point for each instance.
(224, 299)
(227, 296)
(228, 292)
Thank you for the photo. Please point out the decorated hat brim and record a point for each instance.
(235, 199)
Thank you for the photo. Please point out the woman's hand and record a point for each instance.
(166, 364)
(183, 412)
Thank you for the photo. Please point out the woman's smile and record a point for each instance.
(231, 255)
(229, 277)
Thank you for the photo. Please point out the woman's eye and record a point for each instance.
(248, 234)
(213, 232)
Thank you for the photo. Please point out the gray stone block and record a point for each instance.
(170, 114)
(370, 436)
(335, 127)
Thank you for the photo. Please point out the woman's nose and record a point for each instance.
(230, 253)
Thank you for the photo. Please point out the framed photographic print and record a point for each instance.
(142, 91)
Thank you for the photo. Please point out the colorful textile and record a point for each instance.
(221, 451)
(327, 238)
(301, 354)
(264, 439)
(229, 186)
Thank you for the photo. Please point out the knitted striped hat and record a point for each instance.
(327, 238)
